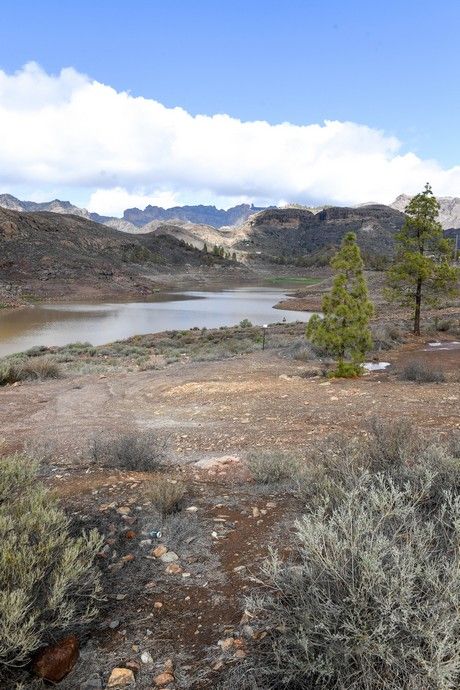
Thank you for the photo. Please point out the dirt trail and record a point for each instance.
(259, 400)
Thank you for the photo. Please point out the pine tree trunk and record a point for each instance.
(418, 304)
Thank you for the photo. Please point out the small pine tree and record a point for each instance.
(234, 256)
(205, 248)
(423, 269)
(344, 329)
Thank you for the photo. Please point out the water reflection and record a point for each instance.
(102, 322)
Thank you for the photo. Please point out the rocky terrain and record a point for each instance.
(294, 232)
(47, 255)
(51, 252)
(449, 213)
(207, 216)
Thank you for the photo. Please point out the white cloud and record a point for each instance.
(69, 131)
(112, 202)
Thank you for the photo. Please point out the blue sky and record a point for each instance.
(391, 66)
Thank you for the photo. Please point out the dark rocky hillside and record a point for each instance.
(42, 250)
(293, 232)
(205, 215)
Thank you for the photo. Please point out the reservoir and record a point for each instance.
(102, 322)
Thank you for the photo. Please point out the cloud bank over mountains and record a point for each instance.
(116, 150)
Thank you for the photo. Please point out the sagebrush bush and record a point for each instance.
(421, 373)
(394, 448)
(369, 601)
(48, 583)
(166, 496)
(369, 598)
(386, 336)
(30, 369)
(273, 466)
(142, 451)
(391, 445)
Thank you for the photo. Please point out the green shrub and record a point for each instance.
(48, 584)
(369, 599)
(273, 466)
(346, 370)
(31, 369)
(421, 373)
(139, 452)
(166, 496)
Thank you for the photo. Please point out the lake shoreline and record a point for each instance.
(57, 323)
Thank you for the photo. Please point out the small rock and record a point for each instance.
(104, 552)
(173, 569)
(130, 534)
(158, 605)
(114, 624)
(159, 551)
(169, 557)
(211, 463)
(121, 678)
(192, 509)
(129, 557)
(240, 654)
(123, 510)
(55, 661)
(169, 666)
(163, 679)
(255, 512)
(134, 665)
(226, 644)
(146, 658)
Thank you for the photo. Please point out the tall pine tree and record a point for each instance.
(344, 331)
(423, 270)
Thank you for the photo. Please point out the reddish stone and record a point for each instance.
(55, 661)
(130, 534)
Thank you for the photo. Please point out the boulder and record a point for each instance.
(55, 661)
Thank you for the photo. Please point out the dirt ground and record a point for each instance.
(205, 410)
(256, 400)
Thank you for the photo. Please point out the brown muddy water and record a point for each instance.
(103, 322)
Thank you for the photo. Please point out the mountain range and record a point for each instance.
(134, 218)
(58, 246)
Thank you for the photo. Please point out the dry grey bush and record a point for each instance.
(370, 597)
(141, 452)
(273, 466)
(48, 583)
(421, 373)
(166, 496)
